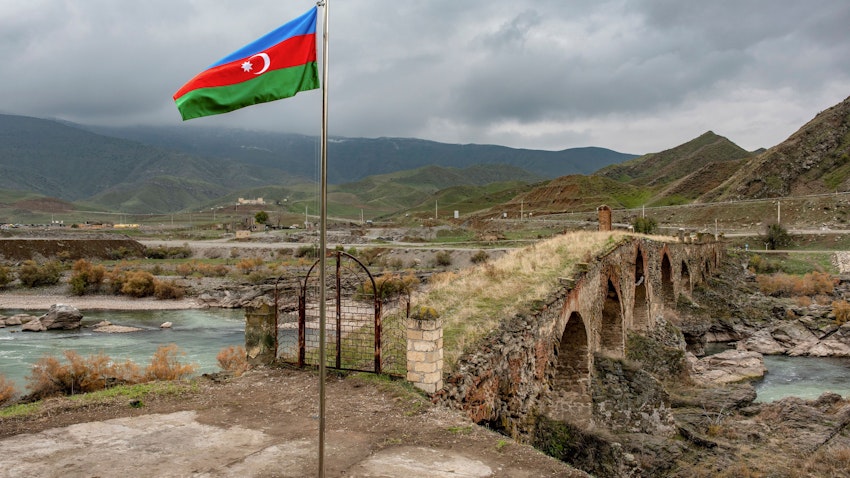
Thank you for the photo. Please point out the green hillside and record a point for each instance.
(69, 163)
(352, 159)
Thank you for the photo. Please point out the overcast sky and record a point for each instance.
(636, 76)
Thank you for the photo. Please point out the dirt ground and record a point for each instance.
(264, 424)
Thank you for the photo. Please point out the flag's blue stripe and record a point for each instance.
(303, 25)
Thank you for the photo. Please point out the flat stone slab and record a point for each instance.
(175, 444)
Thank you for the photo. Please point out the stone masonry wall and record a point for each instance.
(512, 377)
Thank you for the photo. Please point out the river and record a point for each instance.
(803, 377)
(200, 333)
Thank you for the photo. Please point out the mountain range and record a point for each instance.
(147, 169)
(709, 168)
(150, 169)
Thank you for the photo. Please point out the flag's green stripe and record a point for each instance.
(270, 86)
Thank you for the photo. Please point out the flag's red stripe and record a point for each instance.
(294, 51)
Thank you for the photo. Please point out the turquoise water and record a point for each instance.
(200, 333)
(803, 377)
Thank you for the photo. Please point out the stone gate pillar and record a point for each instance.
(604, 213)
(425, 350)
(260, 334)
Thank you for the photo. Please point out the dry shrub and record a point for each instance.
(185, 269)
(211, 270)
(205, 270)
(116, 278)
(811, 284)
(233, 359)
(166, 366)
(740, 470)
(390, 285)
(86, 277)
(7, 390)
(803, 301)
(841, 309)
(5, 275)
(138, 284)
(51, 377)
(246, 266)
(833, 461)
(31, 274)
(479, 257)
(443, 259)
(164, 290)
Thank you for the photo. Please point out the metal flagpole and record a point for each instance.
(323, 230)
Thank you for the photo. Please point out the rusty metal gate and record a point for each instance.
(355, 336)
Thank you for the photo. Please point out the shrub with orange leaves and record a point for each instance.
(233, 359)
(165, 364)
(51, 377)
(7, 390)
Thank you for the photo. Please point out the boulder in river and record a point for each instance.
(62, 316)
(729, 367)
(19, 319)
(34, 325)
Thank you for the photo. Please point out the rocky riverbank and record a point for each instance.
(93, 302)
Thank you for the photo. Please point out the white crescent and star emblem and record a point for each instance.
(266, 63)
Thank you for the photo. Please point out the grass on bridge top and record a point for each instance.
(472, 302)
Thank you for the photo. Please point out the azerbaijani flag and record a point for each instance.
(278, 65)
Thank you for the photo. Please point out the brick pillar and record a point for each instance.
(260, 334)
(604, 213)
(425, 352)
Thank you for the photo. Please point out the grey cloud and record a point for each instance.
(445, 70)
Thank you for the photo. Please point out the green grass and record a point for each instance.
(445, 236)
(137, 391)
(20, 410)
(120, 392)
(804, 263)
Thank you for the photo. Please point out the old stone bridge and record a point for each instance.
(547, 364)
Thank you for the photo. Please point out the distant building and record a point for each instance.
(251, 202)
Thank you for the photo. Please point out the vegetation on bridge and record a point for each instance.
(474, 301)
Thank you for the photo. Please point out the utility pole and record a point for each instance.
(778, 212)
(436, 213)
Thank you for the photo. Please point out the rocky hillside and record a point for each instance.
(658, 169)
(815, 159)
(576, 192)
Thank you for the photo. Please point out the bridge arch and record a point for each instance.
(572, 371)
(667, 290)
(611, 330)
(640, 309)
(686, 278)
